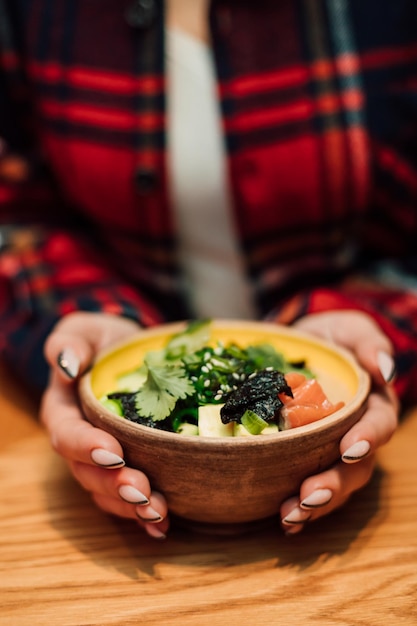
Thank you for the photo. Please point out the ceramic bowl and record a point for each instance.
(229, 484)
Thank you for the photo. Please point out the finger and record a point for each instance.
(375, 354)
(156, 528)
(73, 437)
(293, 518)
(340, 482)
(374, 429)
(129, 485)
(359, 333)
(155, 512)
(126, 492)
(324, 493)
(76, 339)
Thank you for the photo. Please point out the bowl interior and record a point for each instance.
(336, 370)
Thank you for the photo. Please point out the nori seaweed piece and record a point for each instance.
(130, 412)
(259, 394)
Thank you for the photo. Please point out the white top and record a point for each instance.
(215, 279)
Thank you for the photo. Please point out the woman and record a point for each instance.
(185, 159)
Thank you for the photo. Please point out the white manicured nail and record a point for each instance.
(297, 516)
(154, 532)
(106, 459)
(132, 495)
(69, 362)
(318, 498)
(386, 365)
(148, 514)
(356, 452)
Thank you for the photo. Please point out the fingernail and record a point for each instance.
(386, 365)
(154, 532)
(69, 362)
(318, 498)
(107, 459)
(297, 516)
(132, 495)
(149, 515)
(356, 452)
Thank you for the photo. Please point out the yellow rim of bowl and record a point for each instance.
(323, 357)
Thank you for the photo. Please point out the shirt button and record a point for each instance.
(141, 13)
(146, 180)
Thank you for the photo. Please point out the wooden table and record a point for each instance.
(64, 562)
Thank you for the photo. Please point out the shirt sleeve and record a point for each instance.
(390, 299)
(46, 272)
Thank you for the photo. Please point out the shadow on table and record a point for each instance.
(122, 546)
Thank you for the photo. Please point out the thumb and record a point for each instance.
(76, 339)
(360, 334)
(68, 354)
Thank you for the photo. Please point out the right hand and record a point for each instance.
(94, 457)
(326, 491)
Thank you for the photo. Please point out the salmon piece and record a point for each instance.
(308, 405)
(295, 379)
(308, 392)
(301, 414)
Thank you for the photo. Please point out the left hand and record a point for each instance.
(325, 492)
(94, 457)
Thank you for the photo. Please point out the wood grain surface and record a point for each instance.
(64, 562)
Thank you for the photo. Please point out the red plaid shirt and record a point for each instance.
(319, 104)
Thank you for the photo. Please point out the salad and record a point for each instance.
(193, 387)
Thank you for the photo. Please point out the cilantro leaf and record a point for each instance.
(164, 385)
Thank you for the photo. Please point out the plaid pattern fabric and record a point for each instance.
(319, 104)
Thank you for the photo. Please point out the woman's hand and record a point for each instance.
(327, 491)
(94, 457)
